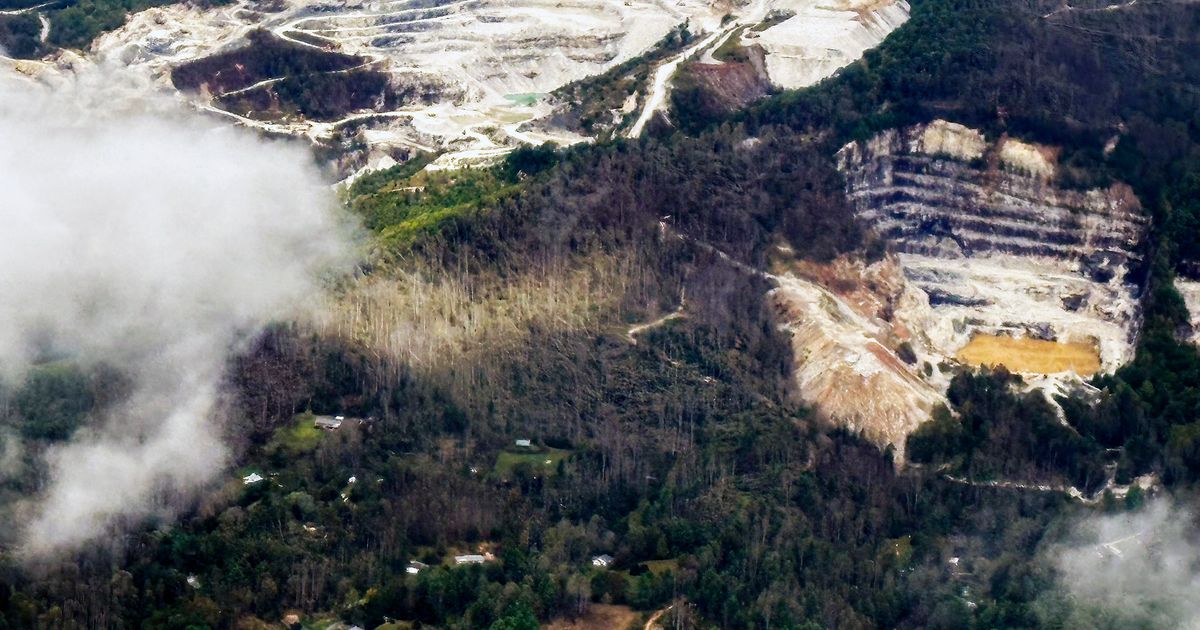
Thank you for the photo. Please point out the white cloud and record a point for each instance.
(137, 234)
(1138, 569)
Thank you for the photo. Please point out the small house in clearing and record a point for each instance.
(333, 423)
(470, 558)
(602, 560)
(524, 443)
(329, 423)
(252, 479)
(414, 567)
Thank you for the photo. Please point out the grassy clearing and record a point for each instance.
(1031, 356)
(388, 179)
(301, 436)
(775, 18)
(543, 461)
(731, 49)
(395, 625)
(658, 567)
(899, 550)
(598, 617)
(319, 621)
(405, 204)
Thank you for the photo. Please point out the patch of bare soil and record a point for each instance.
(599, 617)
(1032, 356)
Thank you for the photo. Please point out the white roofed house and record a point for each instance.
(470, 558)
(333, 423)
(328, 423)
(602, 560)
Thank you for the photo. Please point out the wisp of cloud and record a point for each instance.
(141, 236)
(1135, 569)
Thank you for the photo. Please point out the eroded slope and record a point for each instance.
(852, 333)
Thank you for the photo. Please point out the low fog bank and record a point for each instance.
(136, 235)
(1130, 570)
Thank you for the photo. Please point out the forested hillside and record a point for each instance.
(605, 304)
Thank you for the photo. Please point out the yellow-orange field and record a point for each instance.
(1031, 356)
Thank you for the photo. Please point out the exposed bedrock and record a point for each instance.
(855, 336)
(983, 229)
(1189, 289)
(475, 65)
(823, 36)
(993, 262)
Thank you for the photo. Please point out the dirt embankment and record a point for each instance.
(850, 326)
(713, 89)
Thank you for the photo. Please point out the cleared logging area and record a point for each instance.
(1031, 356)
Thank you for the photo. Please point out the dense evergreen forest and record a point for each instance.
(677, 452)
(19, 36)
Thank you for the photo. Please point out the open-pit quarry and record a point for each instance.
(999, 249)
(478, 73)
(993, 263)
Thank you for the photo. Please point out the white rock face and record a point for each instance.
(161, 37)
(946, 138)
(1190, 290)
(1026, 158)
(825, 36)
(1015, 297)
(995, 246)
(491, 60)
(493, 47)
(499, 47)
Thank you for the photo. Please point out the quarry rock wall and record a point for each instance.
(999, 248)
(822, 36)
(992, 262)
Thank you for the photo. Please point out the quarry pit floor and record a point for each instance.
(1031, 356)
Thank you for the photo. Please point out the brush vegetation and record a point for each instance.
(589, 104)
